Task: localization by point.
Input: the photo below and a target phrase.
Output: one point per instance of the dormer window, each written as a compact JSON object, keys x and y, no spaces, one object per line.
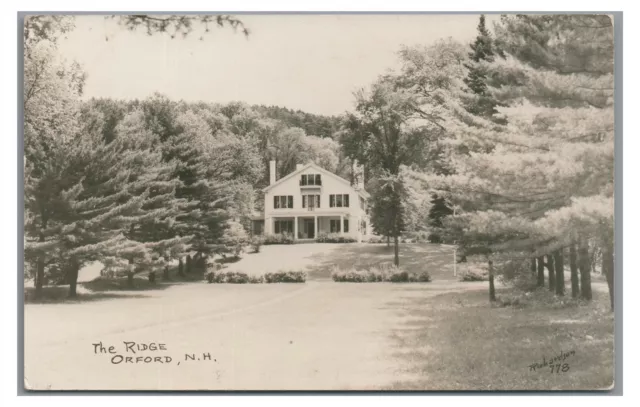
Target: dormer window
{"x":310,"y":179}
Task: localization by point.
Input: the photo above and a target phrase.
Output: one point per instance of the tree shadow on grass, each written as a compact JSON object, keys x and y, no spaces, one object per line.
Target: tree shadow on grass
{"x":460,"y":341}
{"x":60,"y":295}
{"x":228,"y":260}
{"x":121,"y":284}
{"x":414,"y":257}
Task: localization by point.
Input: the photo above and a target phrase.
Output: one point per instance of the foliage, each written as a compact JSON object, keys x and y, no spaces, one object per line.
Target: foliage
{"x":415,"y":237}
{"x":398,"y":123}
{"x":475,"y":272}
{"x":439,"y":210}
{"x":281,"y":238}
{"x":542,"y":178}
{"x":178,"y":25}
{"x":314,"y":125}
{"x":482,"y":103}
{"x":378,"y":273}
{"x":334,"y":238}
{"x":286,"y":277}
{"x":238,"y":277}
{"x":376,"y":239}
{"x":229,"y":277}
{"x":256,"y":243}
{"x":234,"y":238}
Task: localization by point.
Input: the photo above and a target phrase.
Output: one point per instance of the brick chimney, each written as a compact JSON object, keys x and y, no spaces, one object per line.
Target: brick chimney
{"x":299,"y":166}
{"x":272,"y":172}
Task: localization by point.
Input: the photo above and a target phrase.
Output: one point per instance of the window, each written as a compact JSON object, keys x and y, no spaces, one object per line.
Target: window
{"x":311,"y":201}
{"x":334,"y":225}
{"x":346,"y":226}
{"x":310,"y":179}
{"x":362,"y":203}
{"x":339,"y":201}
{"x":284,"y":226}
{"x":283,"y":201}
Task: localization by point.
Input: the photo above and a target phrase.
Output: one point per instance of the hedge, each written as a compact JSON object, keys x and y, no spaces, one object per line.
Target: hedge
{"x":377,"y":274}
{"x":334,"y":238}
{"x":283,"y":238}
{"x":232,"y":277}
{"x":238,"y":277}
{"x":286,"y":277}
{"x":475,"y":273}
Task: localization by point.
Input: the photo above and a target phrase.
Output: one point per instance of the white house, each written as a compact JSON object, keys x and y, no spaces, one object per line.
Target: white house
{"x":311,"y":201}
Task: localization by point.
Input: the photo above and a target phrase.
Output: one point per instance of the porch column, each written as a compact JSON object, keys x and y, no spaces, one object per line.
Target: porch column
{"x":342,"y":224}
{"x":315,"y":225}
{"x":295,"y":228}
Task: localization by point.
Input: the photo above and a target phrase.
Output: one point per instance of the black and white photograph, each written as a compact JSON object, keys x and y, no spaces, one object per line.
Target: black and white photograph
{"x":318,"y":202}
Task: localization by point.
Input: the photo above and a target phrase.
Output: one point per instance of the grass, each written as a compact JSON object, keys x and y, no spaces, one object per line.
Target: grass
{"x":319,"y":259}
{"x":100,"y":288}
{"x":457,"y":341}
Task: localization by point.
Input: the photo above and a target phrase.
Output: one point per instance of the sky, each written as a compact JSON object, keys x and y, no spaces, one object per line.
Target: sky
{"x":309,"y":62}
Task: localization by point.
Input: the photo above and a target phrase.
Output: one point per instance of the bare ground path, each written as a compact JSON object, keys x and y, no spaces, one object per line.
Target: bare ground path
{"x":316,"y":336}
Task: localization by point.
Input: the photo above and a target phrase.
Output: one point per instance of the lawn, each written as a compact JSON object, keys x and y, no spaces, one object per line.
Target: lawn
{"x":318,"y":259}
{"x":455,"y":341}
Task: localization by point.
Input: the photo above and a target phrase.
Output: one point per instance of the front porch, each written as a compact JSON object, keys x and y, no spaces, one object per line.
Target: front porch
{"x":308,"y":227}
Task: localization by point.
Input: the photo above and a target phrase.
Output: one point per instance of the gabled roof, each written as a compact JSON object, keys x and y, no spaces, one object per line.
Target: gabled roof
{"x":321,"y":170}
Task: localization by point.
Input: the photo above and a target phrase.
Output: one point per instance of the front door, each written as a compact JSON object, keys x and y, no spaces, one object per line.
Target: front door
{"x":309,"y":227}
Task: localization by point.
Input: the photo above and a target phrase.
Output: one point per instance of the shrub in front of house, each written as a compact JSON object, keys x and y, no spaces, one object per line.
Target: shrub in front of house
{"x":280,"y":238}
{"x":377,"y":239}
{"x":285,"y":277}
{"x":475,"y":273}
{"x":256,"y":243}
{"x":415,"y":237}
{"x":378,"y":273}
{"x":238,"y":277}
{"x":228,"y":277}
{"x":256,"y":279}
{"x":232,"y":277}
{"x":334,"y":238}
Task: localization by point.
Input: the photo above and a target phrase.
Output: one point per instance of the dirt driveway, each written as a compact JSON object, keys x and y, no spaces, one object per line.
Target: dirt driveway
{"x":315,"y":336}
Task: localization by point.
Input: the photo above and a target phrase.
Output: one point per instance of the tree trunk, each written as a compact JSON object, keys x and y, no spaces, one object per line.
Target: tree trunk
{"x":188,"y":267}
{"x":180,"y":267}
{"x":559,"y":266}
{"x":552,"y":273}
{"x":533,"y":266}
{"x":608,"y":269}
{"x":396,"y":251}
{"x":492,"y":287}
{"x":165,"y":274}
{"x":573,"y":265}
{"x":130,"y":274}
{"x":585,"y":271}
{"x":388,"y":240}
{"x":73,"y":278}
{"x":39,"y":278}
{"x":541,"y":271}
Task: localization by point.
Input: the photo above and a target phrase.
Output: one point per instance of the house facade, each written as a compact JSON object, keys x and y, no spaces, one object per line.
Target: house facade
{"x":312,"y":201}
